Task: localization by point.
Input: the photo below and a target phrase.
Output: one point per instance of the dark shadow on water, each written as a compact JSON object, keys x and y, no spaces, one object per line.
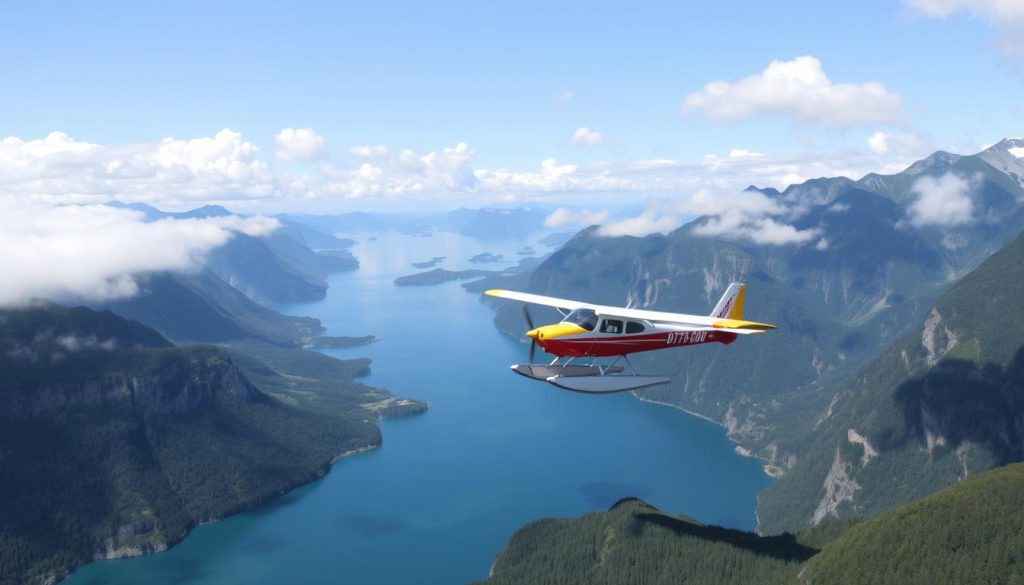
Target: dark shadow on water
{"x":602,"y":494}
{"x":783,"y":546}
{"x":261,"y":544}
{"x":179,"y":570}
{"x":369,"y":526}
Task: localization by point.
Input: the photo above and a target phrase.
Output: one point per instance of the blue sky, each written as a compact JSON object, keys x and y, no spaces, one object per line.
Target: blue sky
{"x":497,"y":78}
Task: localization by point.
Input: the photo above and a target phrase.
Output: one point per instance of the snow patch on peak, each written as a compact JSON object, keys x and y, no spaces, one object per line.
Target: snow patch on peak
{"x":1017,"y":151}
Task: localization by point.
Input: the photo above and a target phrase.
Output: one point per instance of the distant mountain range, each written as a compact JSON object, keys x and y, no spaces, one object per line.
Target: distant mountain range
{"x":222,"y":302}
{"x":486,"y":223}
{"x":871,"y":276}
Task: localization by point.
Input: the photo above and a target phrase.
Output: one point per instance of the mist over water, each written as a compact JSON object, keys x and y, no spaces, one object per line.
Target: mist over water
{"x":448,"y":488}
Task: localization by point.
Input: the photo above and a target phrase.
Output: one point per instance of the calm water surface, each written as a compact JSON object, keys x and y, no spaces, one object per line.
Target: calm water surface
{"x":448,"y":488}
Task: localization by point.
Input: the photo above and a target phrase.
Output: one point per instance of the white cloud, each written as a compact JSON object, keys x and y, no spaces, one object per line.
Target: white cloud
{"x":225,"y":168}
{"x":899,"y":146}
{"x":744,"y":153}
{"x":942,"y":201}
{"x":748,"y":215}
{"x":95,"y":251}
{"x":648,"y":222}
{"x":406,"y":173}
{"x":737,"y":224}
{"x":299,"y":144}
{"x":798,"y":89}
{"x":58,"y":168}
{"x":369,"y":151}
{"x":565,"y":96}
{"x":1007,"y":16}
{"x":562,"y":217}
{"x":584,"y":136}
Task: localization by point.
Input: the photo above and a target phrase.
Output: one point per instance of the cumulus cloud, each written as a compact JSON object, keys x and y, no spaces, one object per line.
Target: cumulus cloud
{"x":900,"y":146}
{"x":584,"y":136}
{"x":58,"y":168}
{"x":748,"y":215}
{"x":95,"y":251}
{"x":562,"y":217}
{"x":225,"y":167}
{"x":406,"y":173}
{"x":744,"y":153}
{"x":299,"y":144}
{"x":648,"y":222}
{"x":942,"y":201}
{"x":1007,"y":16}
{"x":797,"y":89}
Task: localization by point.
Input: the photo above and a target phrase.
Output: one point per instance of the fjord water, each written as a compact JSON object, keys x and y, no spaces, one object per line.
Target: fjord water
{"x":442,"y":496}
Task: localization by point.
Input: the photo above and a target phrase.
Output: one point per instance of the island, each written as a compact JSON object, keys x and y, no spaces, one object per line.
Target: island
{"x":440,"y":275}
{"x":429,"y":263}
{"x":486,"y":257}
{"x":336,"y":341}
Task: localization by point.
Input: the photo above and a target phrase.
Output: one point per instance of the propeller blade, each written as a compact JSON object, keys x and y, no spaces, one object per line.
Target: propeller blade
{"x":526,"y":314}
{"x":533,"y":349}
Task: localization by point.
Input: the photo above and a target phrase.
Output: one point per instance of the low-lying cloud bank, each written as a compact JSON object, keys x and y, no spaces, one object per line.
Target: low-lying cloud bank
{"x":228,"y":168}
{"x":749,"y":215}
{"x":95,"y":251}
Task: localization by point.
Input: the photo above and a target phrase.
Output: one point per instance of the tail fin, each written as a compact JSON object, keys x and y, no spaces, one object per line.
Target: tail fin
{"x":731,"y":304}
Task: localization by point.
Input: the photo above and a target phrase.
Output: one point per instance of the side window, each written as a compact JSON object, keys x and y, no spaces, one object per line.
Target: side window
{"x":611,"y":326}
{"x":634,"y":327}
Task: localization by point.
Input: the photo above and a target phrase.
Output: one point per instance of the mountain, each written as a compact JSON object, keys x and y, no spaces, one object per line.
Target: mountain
{"x":114,"y":442}
{"x":818,"y":302}
{"x":970,"y":533}
{"x":495,"y":224}
{"x":311,"y":237}
{"x":203,"y":308}
{"x":353,"y":222}
{"x":870,"y":275}
{"x":279,"y":267}
{"x":944,"y":402}
{"x":276,"y":268}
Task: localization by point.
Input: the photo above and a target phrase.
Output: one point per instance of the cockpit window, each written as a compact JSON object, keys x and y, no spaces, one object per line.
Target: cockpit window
{"x":585,"y":318}
{"x":611,"y":326}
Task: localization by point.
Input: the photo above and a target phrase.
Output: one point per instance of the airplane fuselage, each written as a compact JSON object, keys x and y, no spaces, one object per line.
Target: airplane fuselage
{"x":566,"y":340}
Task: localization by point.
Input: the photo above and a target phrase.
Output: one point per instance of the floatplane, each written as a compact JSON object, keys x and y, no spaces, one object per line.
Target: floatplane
{"x":590,"y":333}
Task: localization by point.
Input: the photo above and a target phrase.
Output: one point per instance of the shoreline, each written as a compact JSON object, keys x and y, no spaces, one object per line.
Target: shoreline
{"x":355,"y":451}
{"x":739,"y":449}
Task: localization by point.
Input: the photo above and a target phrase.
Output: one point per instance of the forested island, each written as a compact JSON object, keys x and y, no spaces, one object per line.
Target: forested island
{"x":440,"y":275}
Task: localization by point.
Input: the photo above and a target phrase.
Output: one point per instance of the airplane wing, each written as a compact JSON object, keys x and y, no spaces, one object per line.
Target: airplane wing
{"x":536,"y":299}
{"x":733,"y":325}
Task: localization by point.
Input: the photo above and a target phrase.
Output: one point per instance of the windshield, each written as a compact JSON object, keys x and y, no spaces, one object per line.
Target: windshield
{"x":585,"y":318}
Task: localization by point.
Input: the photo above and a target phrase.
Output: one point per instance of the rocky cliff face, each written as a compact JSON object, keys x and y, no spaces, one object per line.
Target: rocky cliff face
{"x":942,"y":404}
{"x":179,"y":386}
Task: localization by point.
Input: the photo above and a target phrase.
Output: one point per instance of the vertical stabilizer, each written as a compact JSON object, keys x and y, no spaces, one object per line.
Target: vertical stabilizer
{"x":730,"y":306}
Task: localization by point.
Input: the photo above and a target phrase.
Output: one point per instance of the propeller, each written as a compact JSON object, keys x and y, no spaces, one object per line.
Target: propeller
{"x":529,"y":322}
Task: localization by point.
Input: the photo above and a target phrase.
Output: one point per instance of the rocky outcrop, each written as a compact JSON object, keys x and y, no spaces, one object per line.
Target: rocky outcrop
{"x":839,"y":488}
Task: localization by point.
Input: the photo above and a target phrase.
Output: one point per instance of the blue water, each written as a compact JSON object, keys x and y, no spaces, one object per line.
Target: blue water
{"x":442,"y":496}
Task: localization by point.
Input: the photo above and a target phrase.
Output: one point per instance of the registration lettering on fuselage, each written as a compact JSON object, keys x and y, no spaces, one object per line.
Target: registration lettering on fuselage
{"x":686,"y":337}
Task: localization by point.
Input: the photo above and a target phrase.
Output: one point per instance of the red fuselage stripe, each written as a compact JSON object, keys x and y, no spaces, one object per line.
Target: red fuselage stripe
{"x":586,"y":346}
